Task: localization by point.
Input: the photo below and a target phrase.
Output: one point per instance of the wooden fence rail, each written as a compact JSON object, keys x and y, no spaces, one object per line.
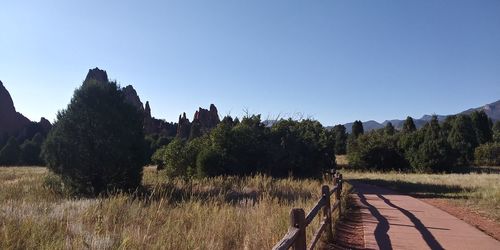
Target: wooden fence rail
{"x":296,"y":236}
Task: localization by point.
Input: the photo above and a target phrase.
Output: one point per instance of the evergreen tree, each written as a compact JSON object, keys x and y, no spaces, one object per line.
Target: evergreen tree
{"x":462,"y":139}
{"x":496,"y":132}
{"x":389,"y":129}
{"x":195,"y":130}
{"x":482,"y":127}
{"x":434,"y":153}
{"x":357,"y":129}
{"x":409,"y":125}
{"x":10,"y":153}
{"x":97,"y":143}
{"x":340,"y":136}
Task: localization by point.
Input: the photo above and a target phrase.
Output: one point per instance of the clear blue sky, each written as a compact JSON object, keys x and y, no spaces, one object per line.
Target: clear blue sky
{"x":336,"y":61}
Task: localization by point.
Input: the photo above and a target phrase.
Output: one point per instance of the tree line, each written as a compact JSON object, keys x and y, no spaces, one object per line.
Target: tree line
{"x":288,"y":148}
{"x":453,"y":145}
{"x":98,"y":144}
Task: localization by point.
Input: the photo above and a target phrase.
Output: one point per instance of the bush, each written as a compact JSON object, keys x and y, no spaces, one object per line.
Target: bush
{"x":209,"y":163}
{"x":488,"y":154}
{"x":10,"y":153}
{"x":97,"y":143}
{"x":376,"y":151}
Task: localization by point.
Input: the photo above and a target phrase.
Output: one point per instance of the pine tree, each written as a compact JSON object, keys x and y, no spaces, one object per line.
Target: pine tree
{"x":409,"y":125}
{"x":357,"y":129}
{"x":482,"y":127}
{"x":389,"y":129}
{"x":340,"y":135}
{"x":496,"y":132}
{"x":462,"y":139}
{"x":97,"y":144}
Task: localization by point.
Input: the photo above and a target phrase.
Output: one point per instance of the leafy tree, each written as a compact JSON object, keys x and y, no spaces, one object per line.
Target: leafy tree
{"x":482,"y":127}
{"x":488,"y":154}
{"x":357,"y":129}
{"x":340,"y":135}
{"x":409,"y":125}
{"x":389,"y":129}
{"x":462,"y":139}
{"x":97,"y":142}
{"x":10,"y":153}
{"x":174,"y":158}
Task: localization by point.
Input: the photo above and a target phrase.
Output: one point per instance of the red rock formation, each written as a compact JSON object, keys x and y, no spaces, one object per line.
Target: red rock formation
{"x":208,"y":119}
{"x":132,"y":97}
{"x":183,"y":127}
{"x":10,"y":120}
{"x":97,"y":75}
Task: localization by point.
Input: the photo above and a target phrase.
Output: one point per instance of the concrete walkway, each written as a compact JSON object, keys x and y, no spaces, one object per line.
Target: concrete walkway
{"x":394,"y":221}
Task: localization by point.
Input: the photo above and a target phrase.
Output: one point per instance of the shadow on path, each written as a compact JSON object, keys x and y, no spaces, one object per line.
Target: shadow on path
{"x":426,"y":234}
{"x":381,"y":236}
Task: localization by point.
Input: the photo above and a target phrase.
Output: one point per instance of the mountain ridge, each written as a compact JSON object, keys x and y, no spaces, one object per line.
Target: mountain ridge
{"x":492,"y":110}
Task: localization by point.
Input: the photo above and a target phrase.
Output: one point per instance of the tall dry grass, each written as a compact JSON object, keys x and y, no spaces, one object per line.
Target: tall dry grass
{"x":213,"y":213}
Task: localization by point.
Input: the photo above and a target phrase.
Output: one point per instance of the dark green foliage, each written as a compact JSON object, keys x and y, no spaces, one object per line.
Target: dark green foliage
{"x":195,"y":131}
{"x":462,"y":139}
{"x":97,"y":143}
{"x":425,"y":150}
{"x":376,"y":151}
{"x":357,"y":129}
{"x":482,"y":127}
{"x":155,"y":142}
{"x":10,"y":153}
{"x":434,"y":153}
{"x":389,"y":129}
{"x":210,"y":163}
{"x":339,"y":132}
{"x":496,"y":132}
{"x":301,"y":149}
{"x":174,"y":156}
{"x":488,"y":154}
{"x":30,"y":151}
{"x":409,"y":125}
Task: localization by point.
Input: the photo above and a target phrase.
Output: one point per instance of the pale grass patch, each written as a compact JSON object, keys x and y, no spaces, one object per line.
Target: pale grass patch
{"x":212,"y":213}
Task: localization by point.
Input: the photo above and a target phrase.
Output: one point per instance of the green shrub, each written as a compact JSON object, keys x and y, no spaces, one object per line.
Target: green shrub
{"x":488,"y":154}
{"x":377,"y":151}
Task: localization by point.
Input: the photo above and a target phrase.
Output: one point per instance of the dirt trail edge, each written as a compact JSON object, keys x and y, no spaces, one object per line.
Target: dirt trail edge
{"x":396,"y":221}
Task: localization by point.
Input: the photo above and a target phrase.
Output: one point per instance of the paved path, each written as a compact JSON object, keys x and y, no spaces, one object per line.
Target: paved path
{"x":394,"y":221}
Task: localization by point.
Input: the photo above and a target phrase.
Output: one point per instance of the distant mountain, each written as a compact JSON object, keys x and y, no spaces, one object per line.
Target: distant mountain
{"x":367,"y":126}
{"x":492,"y":110}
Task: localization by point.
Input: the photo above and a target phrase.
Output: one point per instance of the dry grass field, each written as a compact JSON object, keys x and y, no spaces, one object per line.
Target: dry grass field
{"x":215,"y":213}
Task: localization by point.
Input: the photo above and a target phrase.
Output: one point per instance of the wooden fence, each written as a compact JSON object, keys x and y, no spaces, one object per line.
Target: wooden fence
{"x":296,"y":236}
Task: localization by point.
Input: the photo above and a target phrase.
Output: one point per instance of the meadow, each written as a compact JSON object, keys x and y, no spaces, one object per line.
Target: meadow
{"x":210,"y":213}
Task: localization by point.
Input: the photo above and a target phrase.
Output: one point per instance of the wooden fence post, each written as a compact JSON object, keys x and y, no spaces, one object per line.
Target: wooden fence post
{"x":327,"y":212}
{"x":340,"y":182}
{"x":297,"y":219}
